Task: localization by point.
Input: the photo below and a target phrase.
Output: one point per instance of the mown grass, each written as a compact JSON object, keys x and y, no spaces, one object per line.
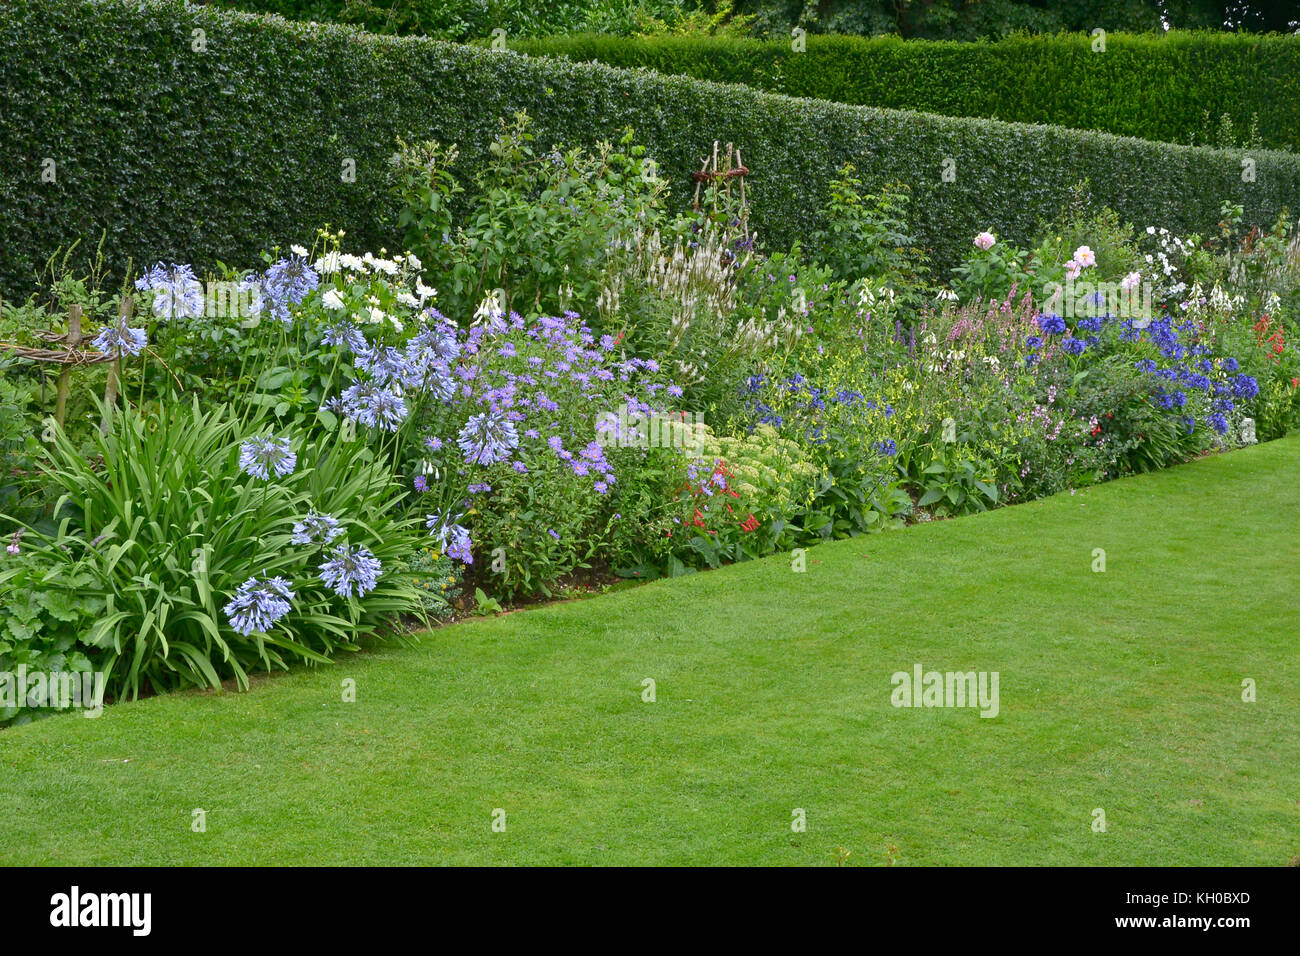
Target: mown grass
{"x":1118,"y":690}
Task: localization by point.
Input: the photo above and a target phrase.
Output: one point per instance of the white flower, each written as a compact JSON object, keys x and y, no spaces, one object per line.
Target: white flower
{"x":1130,"y":281}
{"x":376,"y":315}
{"x":332,"y":300}
{"x":298,"y":251}
{"x":413,"y":261}
{"x":1151,"y":230}
{"x":328,"y":264}
{"x":424,"y":291}
{"x":408,"y":300}
{"x":349,"y":261}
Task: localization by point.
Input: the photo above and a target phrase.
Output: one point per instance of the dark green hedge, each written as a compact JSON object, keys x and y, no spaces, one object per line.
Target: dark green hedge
{"x":199,"y":156}
{"x":1153,"y":87}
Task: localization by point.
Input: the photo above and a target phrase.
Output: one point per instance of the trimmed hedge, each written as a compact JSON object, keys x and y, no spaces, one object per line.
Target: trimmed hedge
{"x":1149,"y":86}
{"x":197,"y":156}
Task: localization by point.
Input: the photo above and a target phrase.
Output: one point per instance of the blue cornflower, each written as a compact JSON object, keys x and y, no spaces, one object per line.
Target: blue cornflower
{"x":315,"y":529}
{"x":1052,"y":324}
{"x":120,"y":339}
{"x":257,"y":605}
{"x":487,"y":438}
{"x":261,"y":455}
{"x":350,"y":570}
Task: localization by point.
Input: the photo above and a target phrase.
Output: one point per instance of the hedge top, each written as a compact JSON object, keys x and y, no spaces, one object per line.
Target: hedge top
{"x":197,"y":146}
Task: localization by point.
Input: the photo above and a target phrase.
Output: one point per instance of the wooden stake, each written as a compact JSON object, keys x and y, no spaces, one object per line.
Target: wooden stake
{"x":115,"y":370}
{"x":65,"y":374}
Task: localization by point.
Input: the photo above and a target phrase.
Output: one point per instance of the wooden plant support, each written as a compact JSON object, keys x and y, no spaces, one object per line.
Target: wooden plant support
{"x":71,"y":355}
{"x":719,"y":175}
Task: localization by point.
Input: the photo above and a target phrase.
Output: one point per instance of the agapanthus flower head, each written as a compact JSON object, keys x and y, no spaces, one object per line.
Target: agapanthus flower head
{"x":177,"y":291}
{"x":287,"y":283}
{"x":316,"y":529}
{"x":487,"y":437}
{"x":351,"y":571}
{"x":343,"y":334}
{"x":264,"y":454}
{"x":376,"y":406}
{"x":257,"y":605}
{"x":120,"y":339}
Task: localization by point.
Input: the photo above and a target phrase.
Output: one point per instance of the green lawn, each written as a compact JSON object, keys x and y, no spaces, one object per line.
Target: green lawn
{"x":1118,"y":690}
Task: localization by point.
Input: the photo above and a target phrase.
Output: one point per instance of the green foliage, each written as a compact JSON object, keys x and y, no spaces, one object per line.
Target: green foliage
{"x":294,"y":108}
{"x":163,"y":526}
{"x":867,"y":236}
{"x":1151,"y":86}
{"x":541,"y":231}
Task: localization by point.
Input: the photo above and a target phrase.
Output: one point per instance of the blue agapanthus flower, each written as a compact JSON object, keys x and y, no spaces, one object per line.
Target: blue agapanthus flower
{"x":177,"y":291}
{"x":1052,"y":324}
{"x":886,"y":448}
{"x":373,"y":405}
{"x":453,"y":539}
{"x":121,"y":339}
{"x":487,"y":438}
{"x":1074,"y":346}
{"x":351,"y":571}
{"x":287,"y":283}
{"x":257,"y":605}
{"x":343,"y":334}
{"x":316,"y":529}
{"x":1218,"y":423}
{"x":265,"y":454}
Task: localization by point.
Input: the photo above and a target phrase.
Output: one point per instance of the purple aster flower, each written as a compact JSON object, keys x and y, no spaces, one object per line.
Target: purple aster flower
{"x":453,"y":539}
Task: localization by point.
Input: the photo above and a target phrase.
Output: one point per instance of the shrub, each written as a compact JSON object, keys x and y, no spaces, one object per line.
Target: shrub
{"x":277,"y":127}
{"x":1146,"y":85}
